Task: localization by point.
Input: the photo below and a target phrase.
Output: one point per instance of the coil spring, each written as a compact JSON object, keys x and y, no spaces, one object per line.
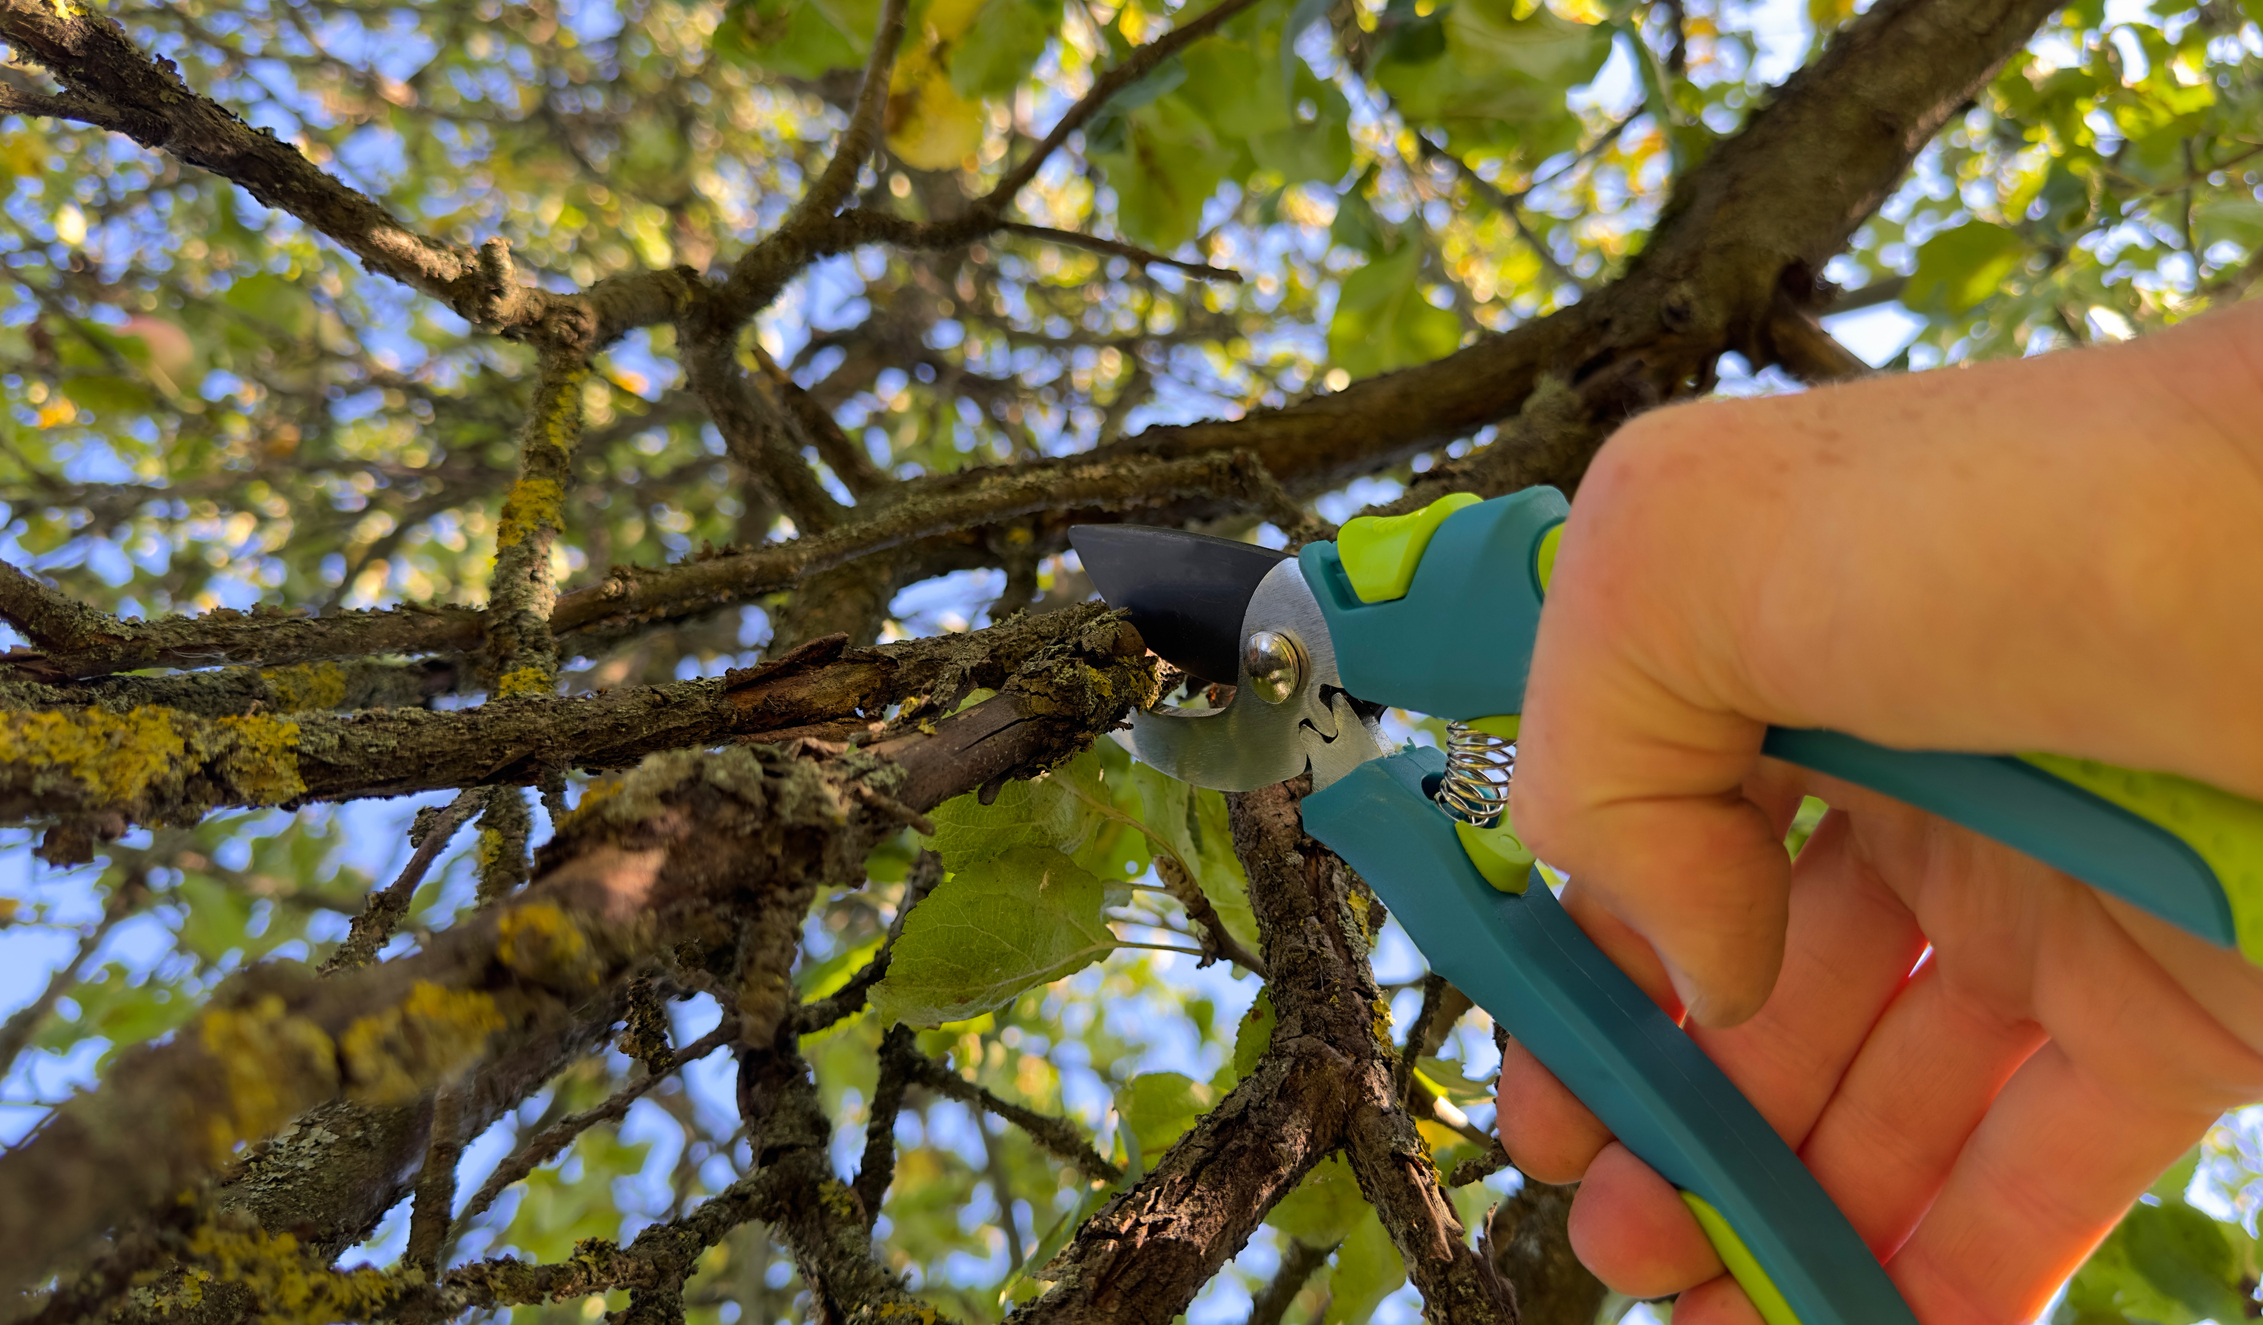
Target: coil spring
{"x":1479,"y":764}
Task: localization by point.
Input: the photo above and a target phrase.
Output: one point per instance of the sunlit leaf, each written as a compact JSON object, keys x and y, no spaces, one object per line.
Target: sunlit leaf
{"x":1018,"y":919}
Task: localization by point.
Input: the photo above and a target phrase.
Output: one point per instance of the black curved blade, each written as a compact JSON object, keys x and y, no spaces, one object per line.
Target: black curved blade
{"x":1186,"y":592}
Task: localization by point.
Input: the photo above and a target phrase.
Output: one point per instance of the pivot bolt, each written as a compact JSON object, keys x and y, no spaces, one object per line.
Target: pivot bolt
{"x":1275,"y":663}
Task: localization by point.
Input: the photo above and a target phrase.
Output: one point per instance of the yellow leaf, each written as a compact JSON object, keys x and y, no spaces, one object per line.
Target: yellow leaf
{"x":58,"y":410}
{"x":930,"y":126}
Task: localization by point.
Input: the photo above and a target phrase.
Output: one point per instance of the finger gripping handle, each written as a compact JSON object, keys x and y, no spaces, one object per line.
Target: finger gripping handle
{"x":1523,"y":960}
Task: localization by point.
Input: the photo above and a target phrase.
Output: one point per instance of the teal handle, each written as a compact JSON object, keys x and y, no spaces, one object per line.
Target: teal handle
{"x":1523,"y":960}
{"x":2048,"y":817}
{"x":1457,"y":643}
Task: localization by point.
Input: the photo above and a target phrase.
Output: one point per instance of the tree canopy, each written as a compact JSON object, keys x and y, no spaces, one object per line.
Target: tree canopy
{"x":552,"y":739}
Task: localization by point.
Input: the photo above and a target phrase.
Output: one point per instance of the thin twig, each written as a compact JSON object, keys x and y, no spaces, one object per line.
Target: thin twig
{"x":1057,"y":1136}
{"x":552,"y":1140}
{"x":878,"y":1167}
{"x":849,"y":999}
{"x":430,"y":835}
{"x":1299,"y":1261}
{"x":1509,"y":207}
{"x":1217,"y":941}
{"x":1073,"y":239}
{"x":1135,"y":66}
{"x":436,"y":1185}
{"x":858,"y":140}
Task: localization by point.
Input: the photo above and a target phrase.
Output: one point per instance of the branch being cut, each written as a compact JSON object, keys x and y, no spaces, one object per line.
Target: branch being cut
{"x":949,"y":507}
{"x":153,"y":766}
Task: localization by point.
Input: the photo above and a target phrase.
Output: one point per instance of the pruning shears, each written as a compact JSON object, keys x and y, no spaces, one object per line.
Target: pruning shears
{"x":1435,"y":612}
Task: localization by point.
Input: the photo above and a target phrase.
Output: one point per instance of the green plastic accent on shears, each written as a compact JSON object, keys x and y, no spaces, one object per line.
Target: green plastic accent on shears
{"x":1497,"y":853}
{"x":1495,"y":849}
{"x":2226,"y":830}
{"x":1380,"y":552}
{"x":1767,"y":1299}
{"x":1544,"y":557}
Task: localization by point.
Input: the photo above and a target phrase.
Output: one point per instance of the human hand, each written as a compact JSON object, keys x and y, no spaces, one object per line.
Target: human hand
{"x":2045,"y":555}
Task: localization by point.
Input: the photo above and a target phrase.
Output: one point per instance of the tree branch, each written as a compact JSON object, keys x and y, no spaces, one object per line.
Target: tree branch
{"x":1058,"y":1137}
{"x":428,"y":837}
{"x":682,"y":831}
{"x":1118,"y":248}
{"x":552,"y":1141}
{"x":113,"y":85}
{"x":152,"y":766}
{"x":522,"y":658}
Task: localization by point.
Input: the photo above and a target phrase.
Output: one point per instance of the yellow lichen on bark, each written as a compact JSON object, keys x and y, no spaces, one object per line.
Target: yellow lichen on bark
{"x":114,"y":756}
{"x":531,"y":504}
{"x":395,"y":1055}
{"x":535,"y":680}
{"x":261,"y":761}
{"x":292,"y":1284}
{"x":271,"y":1063}
{"x":305,"y":688}
{"x":542,"y":943}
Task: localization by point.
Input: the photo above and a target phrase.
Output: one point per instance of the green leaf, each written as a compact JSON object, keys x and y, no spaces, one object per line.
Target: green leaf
{"x":1445,"y":1078}
{"x":1254,"y":1035}
{"x":798,"y":38}
{"x":1022,"y":918}
{"x":273,"y":302}
{"x":1382,"y":321}
{"x":2166,"y":1263}
{"x":1491,"y":79}
{"x":1167,"y":166}
{"x":1368,"y":1269}
{"x":1006,"y":38}
{"x":1324,"y":1208}
{"x":1159,"y":1107}
{"x":1023,"y":814}
{"x":1192,"y":823}
{"x":1958,"y":268}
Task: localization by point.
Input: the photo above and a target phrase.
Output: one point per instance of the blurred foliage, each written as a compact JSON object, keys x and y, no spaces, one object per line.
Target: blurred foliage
{"x":203,"y":405}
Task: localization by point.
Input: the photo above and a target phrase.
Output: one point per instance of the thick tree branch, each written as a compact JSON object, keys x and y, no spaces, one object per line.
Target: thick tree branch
{"x":1783,"y":195}
{"x":668,"y":841}
{"x":152,"y":766}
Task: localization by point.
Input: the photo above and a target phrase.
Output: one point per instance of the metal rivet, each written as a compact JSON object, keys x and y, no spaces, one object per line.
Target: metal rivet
{"x":1275,"y":663}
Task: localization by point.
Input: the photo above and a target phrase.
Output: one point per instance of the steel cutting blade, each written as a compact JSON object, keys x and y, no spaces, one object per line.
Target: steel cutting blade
{"x":1186,"y":593}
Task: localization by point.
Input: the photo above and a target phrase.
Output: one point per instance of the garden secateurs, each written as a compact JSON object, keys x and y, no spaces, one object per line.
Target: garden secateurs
{"x":1435,"y":611}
